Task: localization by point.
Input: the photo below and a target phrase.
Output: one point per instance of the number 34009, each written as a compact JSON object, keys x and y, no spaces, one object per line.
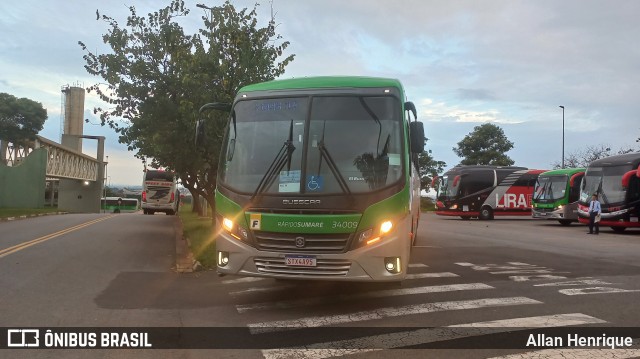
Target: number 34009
{"x":345,"y":225}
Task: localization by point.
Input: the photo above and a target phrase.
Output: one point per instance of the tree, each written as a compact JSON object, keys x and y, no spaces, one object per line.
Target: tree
{"x":20,"y":119}
{"x":429,"y":168}
{"x":485,"y":145}
{"x":157,"y":77}
{"x":582,"y":157}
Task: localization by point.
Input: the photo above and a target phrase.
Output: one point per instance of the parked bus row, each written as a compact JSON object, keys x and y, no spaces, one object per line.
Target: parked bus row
{"x":563,"y":195}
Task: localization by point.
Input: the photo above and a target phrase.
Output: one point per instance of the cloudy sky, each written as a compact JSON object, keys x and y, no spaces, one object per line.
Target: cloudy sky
{"x":463,"y":63}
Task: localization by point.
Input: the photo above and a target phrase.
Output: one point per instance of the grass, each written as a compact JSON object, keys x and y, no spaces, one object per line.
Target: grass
{"x":201,"y":234}
{"x":427,"y":205}
{"x":17,"y":212}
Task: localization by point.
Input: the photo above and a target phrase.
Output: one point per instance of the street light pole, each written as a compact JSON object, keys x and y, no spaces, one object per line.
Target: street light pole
{"x":562,"y":107}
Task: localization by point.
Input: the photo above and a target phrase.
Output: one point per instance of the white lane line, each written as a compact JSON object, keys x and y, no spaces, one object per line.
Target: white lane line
{"x":431,"y":275}
{"x":575,"y":354}
{"x":424,"y":336}
{"x":417,"y":265}
{"x":320,"y":321}
{"x":287,"y":304}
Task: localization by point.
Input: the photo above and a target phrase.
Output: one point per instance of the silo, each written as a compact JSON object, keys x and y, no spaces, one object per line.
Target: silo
{"x":73,"y":112}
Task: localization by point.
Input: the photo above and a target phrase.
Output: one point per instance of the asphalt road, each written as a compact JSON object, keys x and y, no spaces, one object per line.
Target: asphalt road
{"x":472,"y":285}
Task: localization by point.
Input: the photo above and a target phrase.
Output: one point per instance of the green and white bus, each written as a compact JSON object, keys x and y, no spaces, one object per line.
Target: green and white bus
{"x":119,"y":204}
{"x":556,"y":195}
{"x":318,"y":179}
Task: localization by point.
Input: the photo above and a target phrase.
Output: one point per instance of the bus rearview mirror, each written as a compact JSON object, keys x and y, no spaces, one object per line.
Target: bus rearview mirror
{"x":409,"y":106}
{"x":416,"y":132}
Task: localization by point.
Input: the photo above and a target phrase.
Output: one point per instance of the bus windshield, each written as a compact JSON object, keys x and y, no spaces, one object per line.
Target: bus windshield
{"x":447,"y":188}
{"x":339,"y":144}
{"x":606,"y":181}
{"x":550,"y":188}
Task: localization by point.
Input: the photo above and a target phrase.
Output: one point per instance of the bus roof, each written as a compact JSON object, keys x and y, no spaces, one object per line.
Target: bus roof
{"x":617,"y":160}
{"x":477,"y":168}
{"x":563,"y":171}
{"x":323,"y":82}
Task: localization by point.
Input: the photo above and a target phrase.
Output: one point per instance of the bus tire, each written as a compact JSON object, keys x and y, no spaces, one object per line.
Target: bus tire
{"x":565,"y":222}
{"x":618,"y":229}
{"x":486,"y":213}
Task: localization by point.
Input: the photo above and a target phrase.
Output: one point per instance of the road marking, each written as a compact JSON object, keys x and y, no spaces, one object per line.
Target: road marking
{"x":575,"y":354}
{"x":427,"y":335}
{"x":417,"y":265}
{"x":320,"y":321}
{"x":243,"y":280}
{"x":287,"y":304}
{"x":595,"y":290}
{"x":21,"y":246}
{"x":579,"y":281}
{"x":260,"y":290}
{"x":431,"y":275}
{"x":465,"y":264}
{"x":275,"y":289}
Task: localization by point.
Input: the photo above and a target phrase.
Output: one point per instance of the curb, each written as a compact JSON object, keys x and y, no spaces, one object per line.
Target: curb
{"x":25,"y":216}
{"x":185,"y":262}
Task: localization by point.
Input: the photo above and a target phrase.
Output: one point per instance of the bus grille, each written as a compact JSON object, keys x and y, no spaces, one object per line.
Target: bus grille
{"x":324,"y":267}
{"x":316,"y":243}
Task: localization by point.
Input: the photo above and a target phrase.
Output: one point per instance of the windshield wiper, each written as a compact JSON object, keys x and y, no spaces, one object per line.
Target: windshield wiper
{"x":283,"y":157}
{"x":324,"y":153}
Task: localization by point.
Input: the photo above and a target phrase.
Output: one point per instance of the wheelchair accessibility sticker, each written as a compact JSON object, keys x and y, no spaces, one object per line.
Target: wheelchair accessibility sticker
{"x":315,"y":184}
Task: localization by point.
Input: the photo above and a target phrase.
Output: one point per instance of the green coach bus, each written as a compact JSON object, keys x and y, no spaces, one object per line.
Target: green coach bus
{"x":556,"y":195}
{"x":318,"y":179}
{"x":119,"y":204}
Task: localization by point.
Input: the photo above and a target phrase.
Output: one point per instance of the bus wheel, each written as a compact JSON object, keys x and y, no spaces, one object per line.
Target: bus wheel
{"x":565,"y":222}
{"x":486,"y":213}
{"x":618,"y":229}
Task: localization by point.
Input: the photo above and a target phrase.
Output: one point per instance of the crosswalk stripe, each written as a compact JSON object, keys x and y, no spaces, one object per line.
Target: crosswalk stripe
{"x":417,"y":265}
{"x":574,"y":354}
{"x":320,"y":321}
{"x":465,"y":264}
{"x":431,"y":275}
{"x":427,"y":335}
{"x":260,"y":290}
{"x":243,"y":280}
{"x":287,"y":304}
{"x":274,"y":289}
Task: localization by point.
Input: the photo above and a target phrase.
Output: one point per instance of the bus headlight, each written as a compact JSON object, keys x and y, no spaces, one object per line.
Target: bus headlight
{"x":455,"y":206}
{"x":227,"y":224}
{"x":370,"y":236}
{"x":235,"y":231}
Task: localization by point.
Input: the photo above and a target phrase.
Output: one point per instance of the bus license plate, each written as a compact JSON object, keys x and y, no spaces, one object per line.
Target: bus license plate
{"x":300,"y":261}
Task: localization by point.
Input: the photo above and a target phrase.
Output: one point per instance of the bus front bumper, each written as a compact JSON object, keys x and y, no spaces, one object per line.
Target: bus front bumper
{"x":363,"y":264}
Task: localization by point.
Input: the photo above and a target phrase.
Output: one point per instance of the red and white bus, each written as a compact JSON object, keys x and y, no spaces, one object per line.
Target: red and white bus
{"x":616,"y":181}
{"x":486,"y":191}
